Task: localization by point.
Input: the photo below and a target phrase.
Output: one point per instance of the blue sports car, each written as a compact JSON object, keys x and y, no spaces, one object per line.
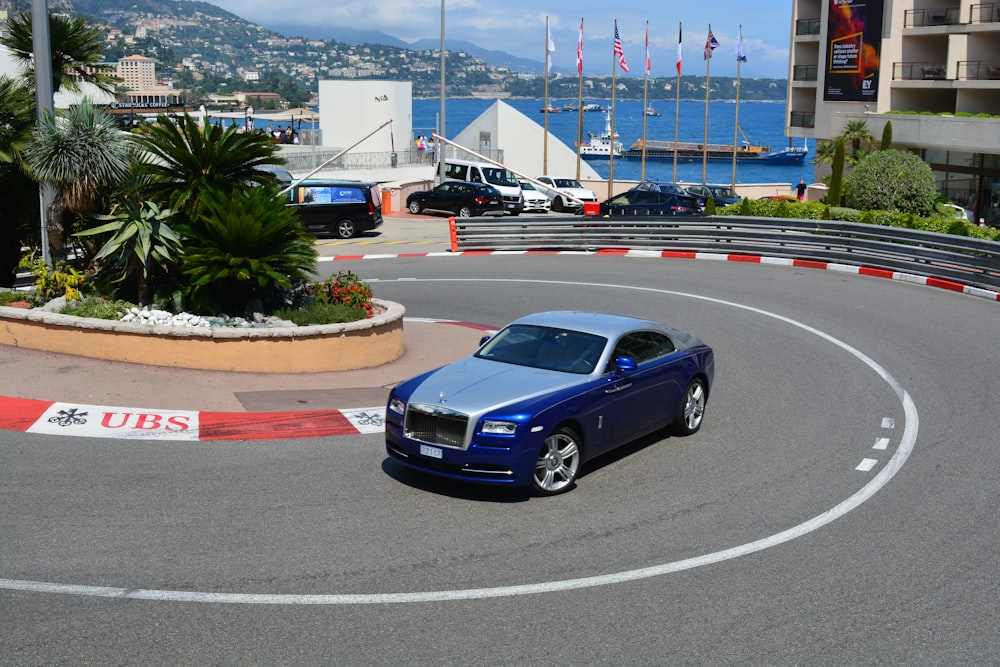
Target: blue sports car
{"x":547,"y":393}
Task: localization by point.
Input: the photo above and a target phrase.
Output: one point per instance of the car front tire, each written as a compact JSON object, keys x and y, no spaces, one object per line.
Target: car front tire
{"x":692,"y":408}
{"x":558,"y":463}
{"x":557,"y":204}
{"x":415,"y":207}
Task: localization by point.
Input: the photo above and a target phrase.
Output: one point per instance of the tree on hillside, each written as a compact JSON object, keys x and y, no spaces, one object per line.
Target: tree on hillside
{"x":77,"y":51}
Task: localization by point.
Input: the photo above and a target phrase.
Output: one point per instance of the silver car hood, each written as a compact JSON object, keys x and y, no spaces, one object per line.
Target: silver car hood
{"x":474,"y":386}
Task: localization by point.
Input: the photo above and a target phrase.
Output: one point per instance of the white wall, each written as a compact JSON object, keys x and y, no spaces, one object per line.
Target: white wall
{"x":348,"y":110}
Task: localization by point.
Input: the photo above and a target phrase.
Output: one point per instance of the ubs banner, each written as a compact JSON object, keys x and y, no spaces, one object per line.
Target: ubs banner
{"x":854,"y":38}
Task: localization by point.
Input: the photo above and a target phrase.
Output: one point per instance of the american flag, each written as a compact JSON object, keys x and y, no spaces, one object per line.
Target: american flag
{"x":710,"y":44}
{"x":618,"y":50}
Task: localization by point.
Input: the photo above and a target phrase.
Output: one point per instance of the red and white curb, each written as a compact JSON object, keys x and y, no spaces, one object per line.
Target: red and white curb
{"x":674,"y":254}
{"x":100,"y":421}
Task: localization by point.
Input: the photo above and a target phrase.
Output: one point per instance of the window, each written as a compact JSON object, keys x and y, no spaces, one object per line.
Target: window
{"x":642,"y":346}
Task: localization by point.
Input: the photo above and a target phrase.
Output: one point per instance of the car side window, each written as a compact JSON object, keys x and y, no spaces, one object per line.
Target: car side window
{"x":642,"y":346}
{"x":456,"y":171}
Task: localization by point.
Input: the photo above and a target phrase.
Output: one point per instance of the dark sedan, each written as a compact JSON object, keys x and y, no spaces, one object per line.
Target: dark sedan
{"x":649,"y":203}
{"x":723,"y":195}
{"x":459,"y":198}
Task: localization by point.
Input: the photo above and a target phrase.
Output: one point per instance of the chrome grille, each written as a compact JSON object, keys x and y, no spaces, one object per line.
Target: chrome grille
{"x":436,"y":426}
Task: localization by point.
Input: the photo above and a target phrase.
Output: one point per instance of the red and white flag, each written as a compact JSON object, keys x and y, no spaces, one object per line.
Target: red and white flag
{"x":680,"y":34}
{"x":648,"y":63}
{"x":618,"y":49}
{"x":579,"y":51}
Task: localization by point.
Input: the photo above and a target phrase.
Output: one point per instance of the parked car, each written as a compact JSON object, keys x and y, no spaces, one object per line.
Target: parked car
{"x":534,"y":200}
{"x":547,"y":393}
{"x":959,"y":212}
{"x":556,"y":190}
{"x":669,"y":188}
{"x":458,"y":198}
{"x":648,"y":203}
{"x":501,"y":178}
{"x":722,"y":194}
{"x":341,"y":208}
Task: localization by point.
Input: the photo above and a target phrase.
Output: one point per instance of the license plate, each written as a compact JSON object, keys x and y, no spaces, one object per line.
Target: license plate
{"x":433,"y":452}
{"x":510,"y":206}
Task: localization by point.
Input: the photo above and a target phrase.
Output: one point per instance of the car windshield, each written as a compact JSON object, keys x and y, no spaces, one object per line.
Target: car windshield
{"x":526,"y":185}
{"x":500,"y":176}
{"x":568,"y":183}
{"x":725,"y":192}
{"x":548,"y":348}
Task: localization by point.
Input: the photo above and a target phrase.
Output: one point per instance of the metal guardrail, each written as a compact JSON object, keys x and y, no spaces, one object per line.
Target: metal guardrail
{"x":972,"y":262}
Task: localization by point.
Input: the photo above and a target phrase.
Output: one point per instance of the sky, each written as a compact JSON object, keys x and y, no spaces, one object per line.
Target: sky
{"x":518,"y":27}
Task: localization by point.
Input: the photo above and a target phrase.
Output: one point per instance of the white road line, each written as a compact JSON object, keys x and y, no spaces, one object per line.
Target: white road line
{"x":867,"y":464}
{"x":881,"y":444}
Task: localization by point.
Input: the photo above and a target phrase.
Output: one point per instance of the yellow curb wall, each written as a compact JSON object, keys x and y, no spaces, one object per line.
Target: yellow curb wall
{"x":310,"y":349}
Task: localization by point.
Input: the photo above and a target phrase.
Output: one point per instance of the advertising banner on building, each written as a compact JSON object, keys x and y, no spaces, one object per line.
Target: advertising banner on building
{"x":854,"y":40}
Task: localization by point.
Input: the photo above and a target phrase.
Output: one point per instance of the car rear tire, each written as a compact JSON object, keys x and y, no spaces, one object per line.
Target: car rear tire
{"x":692,"y":408}
{"x":558,"y":463}
{"x":346,"y":229}
{"x":414,"y":207}
{"x":464,"y":212}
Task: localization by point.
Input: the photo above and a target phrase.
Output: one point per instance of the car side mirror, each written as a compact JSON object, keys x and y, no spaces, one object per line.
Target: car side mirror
{"x":482,"y":341}
{"x":625,"y":365}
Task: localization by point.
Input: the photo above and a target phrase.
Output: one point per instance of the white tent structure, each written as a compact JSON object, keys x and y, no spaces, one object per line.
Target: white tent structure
{"x":521,"y":139}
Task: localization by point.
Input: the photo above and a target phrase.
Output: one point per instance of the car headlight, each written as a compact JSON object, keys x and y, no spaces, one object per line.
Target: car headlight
{"x":397,"y":406}
{"x":500,"y":427}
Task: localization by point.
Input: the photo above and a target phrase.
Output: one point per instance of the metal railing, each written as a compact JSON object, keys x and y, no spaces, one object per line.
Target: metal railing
{"x":805,"y":72}
{"x":978,"y":70}
{"x":919,"y":18}
{"x":304,"y":160}
{"x":802,"y":119}
{"x":960,"y":259}
{"x":807,"y":26}
{"x":919,"y":71}
{"x":986,"y":12}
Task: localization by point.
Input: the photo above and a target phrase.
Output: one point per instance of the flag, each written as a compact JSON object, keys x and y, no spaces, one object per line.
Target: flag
{"x":550,"y":47}
{"x":740,"y":56}
{"x":710,"y":44}
{"x":618,"y":50}
{"x":579,"y":51}
{"x":648,"y":64}
{"x":680,"y":40}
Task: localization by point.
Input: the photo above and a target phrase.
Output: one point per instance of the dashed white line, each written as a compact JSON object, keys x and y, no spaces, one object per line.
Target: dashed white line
{"x":867,"y":464}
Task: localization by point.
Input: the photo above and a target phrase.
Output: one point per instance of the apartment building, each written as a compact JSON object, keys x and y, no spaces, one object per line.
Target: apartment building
{"x":934,"y":63}
{"x":137,"y":72}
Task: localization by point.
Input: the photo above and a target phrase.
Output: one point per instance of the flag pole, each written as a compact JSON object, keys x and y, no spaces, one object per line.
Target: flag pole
{"x":736,"y":123}
{"x":545,"y":109}
{"x":677,"y":102}
{"x":645,"y":104}
{"x":708,"y":88}
{"x":611,"y":155}
{"x":579,"y":100}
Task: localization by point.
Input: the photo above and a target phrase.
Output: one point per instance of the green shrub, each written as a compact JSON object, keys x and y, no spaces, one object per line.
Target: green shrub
{"x":63,"y":280}
{"x":892,"y":180}
{"x":7,"y":298}
{"x":321,"y":313}
{"x":112,"y":309}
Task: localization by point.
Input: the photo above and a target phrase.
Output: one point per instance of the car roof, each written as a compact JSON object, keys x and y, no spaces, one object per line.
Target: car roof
{"x":609,"y":325}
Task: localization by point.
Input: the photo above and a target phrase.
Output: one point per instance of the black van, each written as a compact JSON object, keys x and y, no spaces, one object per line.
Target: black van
{"x":340,"y":208}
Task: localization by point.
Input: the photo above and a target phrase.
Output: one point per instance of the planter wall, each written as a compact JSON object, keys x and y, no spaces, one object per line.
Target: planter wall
{"x":329,"y":347}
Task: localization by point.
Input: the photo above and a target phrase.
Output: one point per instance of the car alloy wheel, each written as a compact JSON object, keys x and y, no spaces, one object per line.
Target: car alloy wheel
{"x":414,"y":207}
{"x":465,"y":212}
{"x":558,"y":462}
{"x":692,"y":408}
{"x":346,"y":229}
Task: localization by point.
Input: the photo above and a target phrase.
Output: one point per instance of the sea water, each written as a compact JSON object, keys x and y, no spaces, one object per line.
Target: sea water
{"x":763,"y":123}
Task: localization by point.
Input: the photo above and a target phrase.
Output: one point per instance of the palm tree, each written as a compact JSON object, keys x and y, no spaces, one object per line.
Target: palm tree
{"x":184,"y":161}
{"x":857,"y":133}
{"x":18,"y":211}
{"x":824,"y":152}
{"x":83,"y":156}
{"x":76,"y":51}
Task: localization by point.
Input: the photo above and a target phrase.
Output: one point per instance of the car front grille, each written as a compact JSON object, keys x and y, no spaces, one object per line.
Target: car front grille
{"x":436,"y":426}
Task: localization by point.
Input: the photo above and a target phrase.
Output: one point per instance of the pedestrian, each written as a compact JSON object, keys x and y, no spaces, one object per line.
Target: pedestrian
{"x":800,"y":189}
{"x":421,"y":146}
{"x":429,"y":148}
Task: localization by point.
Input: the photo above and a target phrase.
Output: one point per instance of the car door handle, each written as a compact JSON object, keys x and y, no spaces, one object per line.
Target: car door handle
{"x":617,"y":388}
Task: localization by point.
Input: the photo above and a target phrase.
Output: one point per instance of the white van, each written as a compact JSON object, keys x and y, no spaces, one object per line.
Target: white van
{"x":502,"y":179}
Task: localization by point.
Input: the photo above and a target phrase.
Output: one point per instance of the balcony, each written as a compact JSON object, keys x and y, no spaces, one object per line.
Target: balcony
{"x":807,"y":27}
{"x":919,"y":71}
{"x":805,"y":73}
{"x":978,"y":70}
{"x":802,"y":119}
{"x":987,"y":12}
{"x":922,"y":18}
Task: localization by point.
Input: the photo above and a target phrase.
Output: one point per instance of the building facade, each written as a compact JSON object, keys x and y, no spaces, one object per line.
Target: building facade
{"x":931,"y":67}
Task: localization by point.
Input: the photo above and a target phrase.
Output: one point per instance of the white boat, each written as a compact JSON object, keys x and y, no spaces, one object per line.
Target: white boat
{"x":599,"y":146}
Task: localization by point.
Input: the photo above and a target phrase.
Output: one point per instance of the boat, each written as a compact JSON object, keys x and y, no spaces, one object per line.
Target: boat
{"x":790,"y":155}
{"x":650,"y":111}
{"x":570,"y":107}
{"x":691,"y":151}
{"x":550,"y":109}
{"x":594,"y":107}
{"x":599,"y":146}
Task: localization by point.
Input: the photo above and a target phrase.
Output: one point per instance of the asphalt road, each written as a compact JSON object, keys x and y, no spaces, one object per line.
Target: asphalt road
{"x":838,"y":506}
